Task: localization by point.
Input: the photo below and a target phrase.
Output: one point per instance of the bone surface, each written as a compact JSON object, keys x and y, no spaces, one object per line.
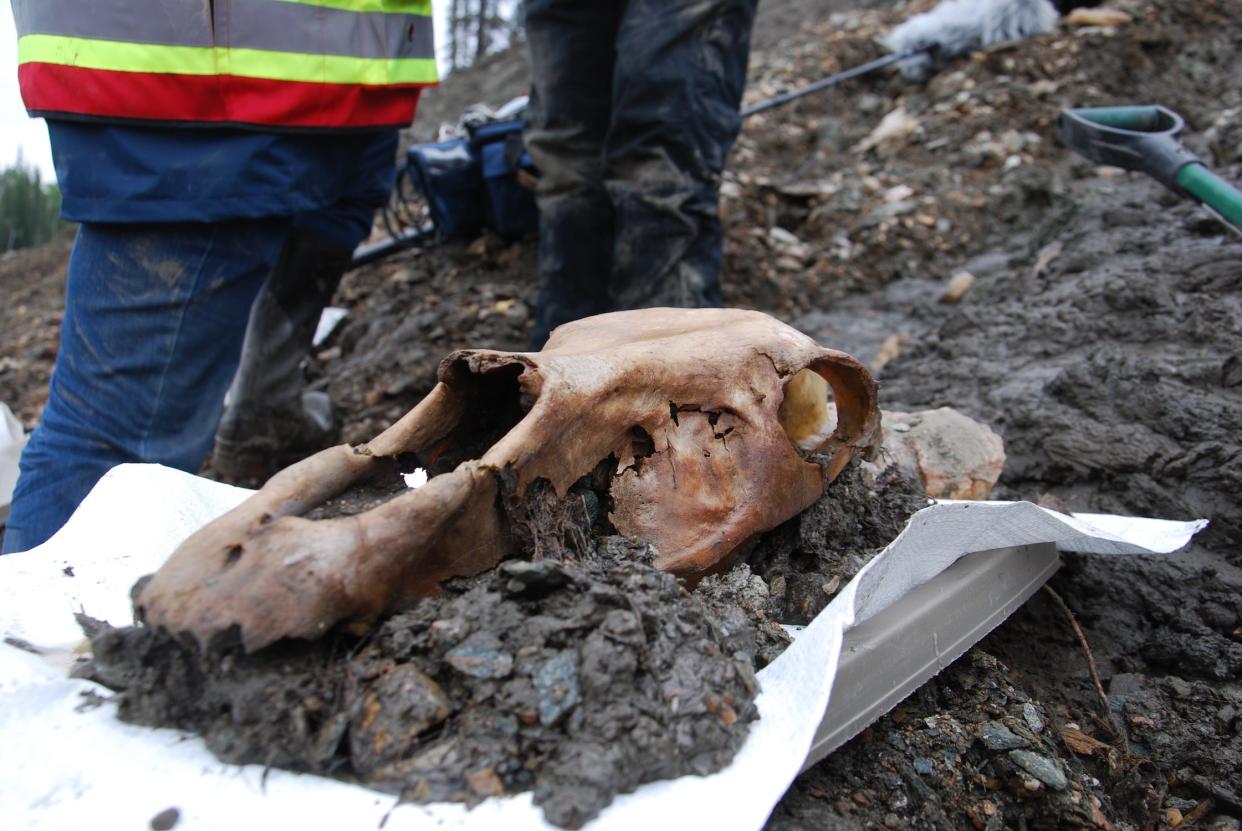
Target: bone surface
{"x":716,"y":424}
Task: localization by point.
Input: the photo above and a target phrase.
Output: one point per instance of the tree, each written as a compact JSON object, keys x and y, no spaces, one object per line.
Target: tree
{"x":29,"y":209}
{"x":476,"y":28}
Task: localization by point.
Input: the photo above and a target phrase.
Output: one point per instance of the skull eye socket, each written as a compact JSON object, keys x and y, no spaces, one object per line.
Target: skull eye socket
{"x":808,"y":413}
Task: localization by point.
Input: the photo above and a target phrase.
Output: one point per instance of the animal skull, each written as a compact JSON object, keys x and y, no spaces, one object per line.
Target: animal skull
{"x":705,"y":412}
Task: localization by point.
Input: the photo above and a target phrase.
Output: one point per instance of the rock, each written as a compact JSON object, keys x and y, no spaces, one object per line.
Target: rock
{"x":954,"y":456}
{"x":165,"y":820}
{"x":391,"y":714}
{"x":485,"y":782}
{"x":1040,"y":767}
{"x":1096,"y":17}
{"x":889,"y":349}
{"x":996,"y":736}
{"x":958,"y":285}
{"x":556,"y":683}
{"x":533,"y":579}
{"x":782,"y":238}
{"x":1033,"y":719}
{"x":894,"y":129}
{"x":481,"y":656}
{"x":899,"y":193}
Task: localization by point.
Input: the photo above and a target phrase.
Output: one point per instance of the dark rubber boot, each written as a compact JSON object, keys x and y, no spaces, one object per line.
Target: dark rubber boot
{"x":270,"y":421}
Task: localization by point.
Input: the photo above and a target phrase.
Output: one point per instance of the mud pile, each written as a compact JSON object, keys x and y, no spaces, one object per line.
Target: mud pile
{"x":808,"y":559}
{"x":970,"y":747}
{"x":576,"y":681}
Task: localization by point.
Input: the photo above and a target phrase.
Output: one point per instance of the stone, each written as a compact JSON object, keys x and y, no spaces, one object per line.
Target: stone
{"x":958,"y":285}
{"x":1040,"y":767}
{"x":954,"y":456}
{"x":533,"y":579}
{"x":1032,"y":717}
{"x":481,"y":656}
{"x":556,"y":683}
{"x":996,"y":736}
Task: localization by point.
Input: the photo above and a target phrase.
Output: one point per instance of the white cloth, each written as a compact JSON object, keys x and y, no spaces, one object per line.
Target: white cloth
{"x":12,"y":440}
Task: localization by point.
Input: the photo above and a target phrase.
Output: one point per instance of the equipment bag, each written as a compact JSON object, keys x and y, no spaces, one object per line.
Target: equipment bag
{"x":471,"y":183}
{"x":511,"y":210}
{"x":446,"y":174}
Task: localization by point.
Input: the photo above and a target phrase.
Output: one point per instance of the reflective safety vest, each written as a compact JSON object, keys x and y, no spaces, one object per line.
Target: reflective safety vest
{"x":271,"y":63}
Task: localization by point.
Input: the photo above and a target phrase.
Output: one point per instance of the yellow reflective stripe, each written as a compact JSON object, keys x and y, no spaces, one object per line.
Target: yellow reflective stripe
{"x":329,"y":69}
{"x":422,"y":7}
{"x":108,"y":54}
{"x":246,"y":63}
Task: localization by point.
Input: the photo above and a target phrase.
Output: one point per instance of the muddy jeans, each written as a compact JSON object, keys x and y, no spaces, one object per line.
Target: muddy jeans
{"x":150,"y":340}
{"x":634,"y":108}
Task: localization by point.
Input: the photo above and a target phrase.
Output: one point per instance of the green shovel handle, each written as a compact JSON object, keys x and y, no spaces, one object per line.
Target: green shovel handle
{"x":1144,"y":138}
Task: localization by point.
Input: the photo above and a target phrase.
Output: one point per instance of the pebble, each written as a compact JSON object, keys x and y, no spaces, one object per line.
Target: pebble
{"x":923,"y":765}
{"x":481,"y":657}
{"x":996,"y":736}
{"x":1033,"y":719}
{"x":556,"y":683}
{"x":527,"y":577}
{"x":1041,"y":767}
{"x":958,"y":285}
{"x":165,"y":820}
{"x":780,"y":236}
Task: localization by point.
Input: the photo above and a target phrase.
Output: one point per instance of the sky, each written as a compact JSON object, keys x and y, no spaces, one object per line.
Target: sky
{"x":18,"y":131}
{"x":21,"y":134}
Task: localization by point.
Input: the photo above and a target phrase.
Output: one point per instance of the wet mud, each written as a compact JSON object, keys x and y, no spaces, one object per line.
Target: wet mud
{"x":810,"y":558}
{"x":573,"y":680}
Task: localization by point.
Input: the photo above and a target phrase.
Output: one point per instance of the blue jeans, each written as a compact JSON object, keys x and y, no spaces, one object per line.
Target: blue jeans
{"x":152,"y":332}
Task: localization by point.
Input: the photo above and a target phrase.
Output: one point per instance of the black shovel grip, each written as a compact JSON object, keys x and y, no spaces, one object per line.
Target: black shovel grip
{"x":1134,"y":138}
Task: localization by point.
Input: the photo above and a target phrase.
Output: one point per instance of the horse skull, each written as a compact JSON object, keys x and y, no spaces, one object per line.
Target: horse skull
{"x":707,"y":417}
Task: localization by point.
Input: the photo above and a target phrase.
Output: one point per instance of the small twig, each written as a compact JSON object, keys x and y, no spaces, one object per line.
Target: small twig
{"x":1196,"y":813}
{"x":1154,"y":805}
{"x":1095,"y":676}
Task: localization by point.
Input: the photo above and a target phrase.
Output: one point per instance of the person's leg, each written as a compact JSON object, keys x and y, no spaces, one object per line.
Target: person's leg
{"x":571,"y":46}
{"x":680,"y":74}
{"x":153,"y":323}
{"x":271,"y":421}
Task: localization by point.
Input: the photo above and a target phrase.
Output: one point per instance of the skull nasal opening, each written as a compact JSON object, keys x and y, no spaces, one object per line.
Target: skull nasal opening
{"x":808,"y":412}
{"x":493,"y":405}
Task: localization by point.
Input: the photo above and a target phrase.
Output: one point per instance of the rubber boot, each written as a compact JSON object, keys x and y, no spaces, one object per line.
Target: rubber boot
{"x":270,"y":421}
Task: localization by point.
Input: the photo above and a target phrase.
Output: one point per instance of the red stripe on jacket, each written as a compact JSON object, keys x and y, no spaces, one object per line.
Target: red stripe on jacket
{"x":148,"y":96}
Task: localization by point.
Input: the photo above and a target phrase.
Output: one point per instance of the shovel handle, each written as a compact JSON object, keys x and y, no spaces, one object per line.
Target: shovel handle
{"x":1144,"y":138}
{"x":1212,"y":191}
{"x":1133,"y":138}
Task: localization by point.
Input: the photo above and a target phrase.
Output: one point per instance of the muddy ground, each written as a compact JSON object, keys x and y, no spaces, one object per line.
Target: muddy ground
{"x":552,"y":676}
{"x":1102,"y":338}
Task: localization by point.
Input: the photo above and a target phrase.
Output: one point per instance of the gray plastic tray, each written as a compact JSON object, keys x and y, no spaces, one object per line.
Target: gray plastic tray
{"x":888,"y":656}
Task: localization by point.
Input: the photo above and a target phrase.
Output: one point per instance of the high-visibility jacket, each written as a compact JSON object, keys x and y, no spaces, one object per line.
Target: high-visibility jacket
{"x":268,"y":63}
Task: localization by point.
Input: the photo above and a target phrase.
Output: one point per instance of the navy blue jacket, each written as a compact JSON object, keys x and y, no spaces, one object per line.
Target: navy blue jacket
{"x":112,"y":173}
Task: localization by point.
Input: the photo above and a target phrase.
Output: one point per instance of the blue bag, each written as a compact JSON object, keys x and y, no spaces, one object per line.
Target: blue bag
{"x":471,"y":183}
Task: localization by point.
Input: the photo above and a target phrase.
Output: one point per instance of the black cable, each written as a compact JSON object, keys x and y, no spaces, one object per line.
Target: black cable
{"x":832,"y":80}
